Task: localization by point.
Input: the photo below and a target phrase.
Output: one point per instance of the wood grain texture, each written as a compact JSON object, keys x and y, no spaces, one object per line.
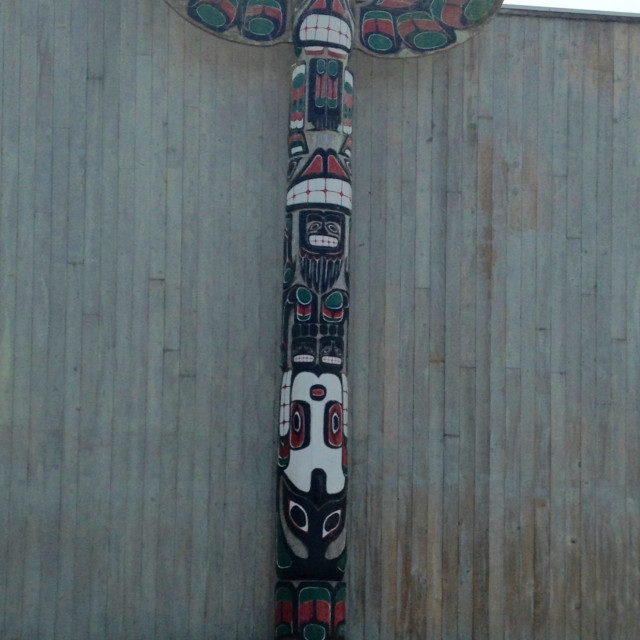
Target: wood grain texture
{"x":495,"y":330}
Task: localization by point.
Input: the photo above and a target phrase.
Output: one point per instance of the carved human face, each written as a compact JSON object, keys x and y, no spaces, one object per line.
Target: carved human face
{"x":322,"y":232}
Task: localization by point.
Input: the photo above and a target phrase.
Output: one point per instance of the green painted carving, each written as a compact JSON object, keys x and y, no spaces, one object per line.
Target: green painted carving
{"x":396,"y":28}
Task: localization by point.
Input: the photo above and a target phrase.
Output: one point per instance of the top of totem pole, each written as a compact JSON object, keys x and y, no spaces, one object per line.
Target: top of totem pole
{"x":386,"y":28}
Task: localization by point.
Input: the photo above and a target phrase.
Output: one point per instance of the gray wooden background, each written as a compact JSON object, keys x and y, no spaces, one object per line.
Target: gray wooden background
{"x":495,"y":331}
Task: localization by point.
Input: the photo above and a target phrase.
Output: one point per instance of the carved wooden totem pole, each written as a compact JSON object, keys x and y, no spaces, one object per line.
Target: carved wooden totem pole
{"x":314,"y":415}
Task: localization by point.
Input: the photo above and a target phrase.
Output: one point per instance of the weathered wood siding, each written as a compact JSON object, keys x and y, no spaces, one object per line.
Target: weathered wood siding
{"x":495,"y":331}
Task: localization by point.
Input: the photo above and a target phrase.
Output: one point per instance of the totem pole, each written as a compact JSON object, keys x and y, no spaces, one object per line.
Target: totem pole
{"x":313,"y":416}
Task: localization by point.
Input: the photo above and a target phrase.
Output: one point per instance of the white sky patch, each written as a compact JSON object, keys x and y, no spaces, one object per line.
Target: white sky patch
{"x":628,"y":7}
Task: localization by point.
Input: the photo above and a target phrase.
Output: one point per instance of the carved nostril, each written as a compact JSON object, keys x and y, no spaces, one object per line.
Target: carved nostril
{"x":318,"y":484}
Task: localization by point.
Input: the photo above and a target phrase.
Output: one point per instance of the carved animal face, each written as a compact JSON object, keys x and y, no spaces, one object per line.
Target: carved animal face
{"x":316,"y":430}
{"x":311,"y":531}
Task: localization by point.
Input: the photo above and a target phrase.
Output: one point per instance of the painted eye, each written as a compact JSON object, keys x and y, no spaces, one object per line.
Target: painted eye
{"x":331,"y":522}
{"x":314,"y":226}
{"x":333,"y":424}
{"x":299,"y":420}
{"x":333,"y":228}
{"x":298,"y":516}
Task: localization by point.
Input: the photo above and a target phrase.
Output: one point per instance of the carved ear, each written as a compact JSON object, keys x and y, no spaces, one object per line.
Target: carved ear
{"x":257,"y":22}
{"x":409,"y":28}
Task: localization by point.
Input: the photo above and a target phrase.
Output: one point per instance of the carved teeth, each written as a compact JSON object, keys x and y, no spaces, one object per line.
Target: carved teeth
{"x":321,"y":191}
{"x":331,"y":360}
{"x":323,"y":241}
{"x":303,"y":358}
{"x":328,"y":29}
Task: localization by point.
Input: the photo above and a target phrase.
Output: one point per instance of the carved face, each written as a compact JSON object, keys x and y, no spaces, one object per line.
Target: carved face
{"x":303,"y":352}
{"x":313,"y":536}
{"x":322,"y":180}
{"x":322,"y":232}
{"x":314,"y":329}
{"x":332,"y":352}
{"x":321,"y":239}
{"x":326,"y":350}
{"x":315,"y":422}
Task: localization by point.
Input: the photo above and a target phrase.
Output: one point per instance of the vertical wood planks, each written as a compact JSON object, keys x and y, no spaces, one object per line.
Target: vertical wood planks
{"x":572,"y":445}
{"x":389,"y":282}
{"x":358,"y":579}
{"x":497,"y":187}
{"x":542,"y":213}
{"x":485,"y":257}
{"x":632,"y":437}
{"x":9,"y":145}
{"x":420,"y":592}
{"x":406,"y":350}
{"x":436,"y":353}
{"x":375,"y":367}
{"x":558,"y":471}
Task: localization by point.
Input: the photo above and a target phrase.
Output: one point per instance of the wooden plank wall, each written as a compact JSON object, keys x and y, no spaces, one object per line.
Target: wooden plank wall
{"x":495,"y":331}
